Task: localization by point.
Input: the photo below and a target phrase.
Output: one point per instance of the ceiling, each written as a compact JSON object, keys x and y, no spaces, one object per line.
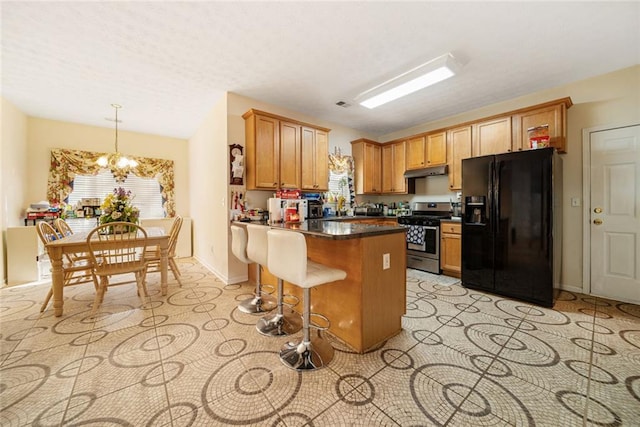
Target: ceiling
{"x":168,"y":63}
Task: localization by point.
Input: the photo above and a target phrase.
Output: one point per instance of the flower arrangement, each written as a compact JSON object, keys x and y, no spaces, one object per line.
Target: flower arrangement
{"x":117,"y":207}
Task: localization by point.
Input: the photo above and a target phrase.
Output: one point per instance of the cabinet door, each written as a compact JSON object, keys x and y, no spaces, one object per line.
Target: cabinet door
{"x":372,"y":168}
{"x":387,"y":168}
{"x":459,"y":141}
{"x":416,"y":150}
{"x":553,"y":117}
{"x":436,"y":149}
{"x":492,"y":137}
{"x":451,"y":252}
{"x":399,"y":184}
{"x":267,"y":149}
{"x":315,"y":167}
{"x":289,"y":155}
{"x":322,"y":160}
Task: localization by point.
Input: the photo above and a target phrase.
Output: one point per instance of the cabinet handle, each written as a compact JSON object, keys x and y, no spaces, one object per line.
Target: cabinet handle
{"x":275,"y":184}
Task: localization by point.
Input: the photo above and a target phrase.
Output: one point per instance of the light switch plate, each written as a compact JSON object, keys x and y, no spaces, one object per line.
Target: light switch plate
{"x":575,"y":202}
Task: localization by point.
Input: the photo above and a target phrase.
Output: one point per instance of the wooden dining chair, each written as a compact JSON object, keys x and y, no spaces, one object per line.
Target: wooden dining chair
{"x":152,"y":255}
{"x":75,"y":272}
{"x":65,"y":230}
{"x":114,"y":254}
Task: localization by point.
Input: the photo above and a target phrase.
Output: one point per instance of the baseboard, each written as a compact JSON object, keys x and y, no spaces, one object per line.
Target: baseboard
{"x":227,"y":280}
{"x":569,"y":288}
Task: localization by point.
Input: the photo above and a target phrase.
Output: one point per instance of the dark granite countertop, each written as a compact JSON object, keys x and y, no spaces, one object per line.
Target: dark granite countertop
{"x":337,"y":230}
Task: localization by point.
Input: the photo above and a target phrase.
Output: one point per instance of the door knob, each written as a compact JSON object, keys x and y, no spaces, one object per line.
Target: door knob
{"x":598,"y":210}
{"x":597,"y":221}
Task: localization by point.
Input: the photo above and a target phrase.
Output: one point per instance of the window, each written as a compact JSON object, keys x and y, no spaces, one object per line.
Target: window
{"x":146,"y":191}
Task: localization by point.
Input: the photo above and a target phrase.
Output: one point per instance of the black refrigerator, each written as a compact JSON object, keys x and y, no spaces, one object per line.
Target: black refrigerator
{"x":511,"y":224}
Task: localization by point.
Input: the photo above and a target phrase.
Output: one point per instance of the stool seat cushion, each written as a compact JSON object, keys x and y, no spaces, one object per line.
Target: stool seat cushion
{"x":317,"y":274}
{"x":288,"y":260}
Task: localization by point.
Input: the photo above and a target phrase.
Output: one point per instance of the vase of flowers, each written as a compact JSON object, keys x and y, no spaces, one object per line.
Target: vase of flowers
{"x":117,"y":207}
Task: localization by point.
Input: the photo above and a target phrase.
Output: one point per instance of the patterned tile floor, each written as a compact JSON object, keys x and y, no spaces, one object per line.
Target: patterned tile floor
{"x":464,"y":358}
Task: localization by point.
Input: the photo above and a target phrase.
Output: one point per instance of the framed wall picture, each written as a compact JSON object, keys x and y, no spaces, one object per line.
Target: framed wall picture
{"x":237,"y":164}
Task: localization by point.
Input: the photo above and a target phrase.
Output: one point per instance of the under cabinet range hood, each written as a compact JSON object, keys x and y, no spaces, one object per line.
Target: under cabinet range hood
{"x":430,"y":171}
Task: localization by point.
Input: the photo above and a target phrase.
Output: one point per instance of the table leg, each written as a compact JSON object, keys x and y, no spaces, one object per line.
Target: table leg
{"x":164,"y":265}
{"x":57,"y":279}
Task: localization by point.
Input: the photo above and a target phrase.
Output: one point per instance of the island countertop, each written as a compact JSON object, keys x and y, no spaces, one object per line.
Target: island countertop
{"x":336,"y":230}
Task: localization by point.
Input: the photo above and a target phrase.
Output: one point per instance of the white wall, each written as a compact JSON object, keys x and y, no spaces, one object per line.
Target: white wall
{"x":13,"y":173}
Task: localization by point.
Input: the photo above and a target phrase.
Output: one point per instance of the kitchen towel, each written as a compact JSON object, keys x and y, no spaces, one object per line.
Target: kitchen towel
{"x":415,"y":234}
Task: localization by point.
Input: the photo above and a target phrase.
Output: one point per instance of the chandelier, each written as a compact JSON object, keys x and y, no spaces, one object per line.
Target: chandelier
{"x":119,"y":164}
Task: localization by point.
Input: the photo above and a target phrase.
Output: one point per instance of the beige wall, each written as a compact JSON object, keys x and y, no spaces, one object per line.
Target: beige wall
{"x":610,"y":99}
{"x":47,"y":134}
{"x":208,"y":166}
{"x":13,"y":175}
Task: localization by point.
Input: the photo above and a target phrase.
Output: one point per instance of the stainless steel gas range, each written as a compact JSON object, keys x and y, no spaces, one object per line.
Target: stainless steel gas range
{"x":423,"y":235}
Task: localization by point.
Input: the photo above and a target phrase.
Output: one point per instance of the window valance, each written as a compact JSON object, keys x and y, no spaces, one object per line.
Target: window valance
{"x":66,"y":164}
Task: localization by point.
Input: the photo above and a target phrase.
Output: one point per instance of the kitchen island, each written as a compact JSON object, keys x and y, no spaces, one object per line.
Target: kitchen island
{"x":365,"y":308}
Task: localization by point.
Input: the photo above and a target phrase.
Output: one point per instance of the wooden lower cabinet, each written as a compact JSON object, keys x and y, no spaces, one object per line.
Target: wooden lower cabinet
{"x":451,"y":248}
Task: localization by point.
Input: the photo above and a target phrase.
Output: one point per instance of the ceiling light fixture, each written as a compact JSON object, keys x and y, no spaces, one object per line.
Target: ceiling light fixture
{"x":119,"y":164}
{"x":427,"y":74}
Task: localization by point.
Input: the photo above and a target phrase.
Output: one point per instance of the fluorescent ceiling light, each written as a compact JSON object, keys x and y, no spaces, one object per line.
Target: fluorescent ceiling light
{"x":424,"y":75}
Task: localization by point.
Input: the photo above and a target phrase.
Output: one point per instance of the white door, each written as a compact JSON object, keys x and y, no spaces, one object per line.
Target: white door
{"x":615,"y":213}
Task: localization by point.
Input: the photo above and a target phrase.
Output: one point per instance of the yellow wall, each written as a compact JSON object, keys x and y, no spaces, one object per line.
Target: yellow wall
{"x":13,"y":175}
{"x":46,"y":134}
{"x":610,"y":99}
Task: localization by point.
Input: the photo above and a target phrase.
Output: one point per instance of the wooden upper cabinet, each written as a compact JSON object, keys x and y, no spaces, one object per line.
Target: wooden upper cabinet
{"x":459,"y":148}
{"x":263,"y":137}
{"x":492,"y":137}
{"x":290,"y":157}
{"x":436,"y":149}
{"x":367,"y":164}
{"x":416,"y":151}
{"x":275,"y":154}
{"x":315,"y":162}
{"x":393,"y":167}
{"x":550,"y":119}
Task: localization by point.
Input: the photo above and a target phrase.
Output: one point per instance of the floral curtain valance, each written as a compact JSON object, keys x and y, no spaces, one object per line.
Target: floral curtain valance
{"x":340,"y":164}
{"x":66,"y":164}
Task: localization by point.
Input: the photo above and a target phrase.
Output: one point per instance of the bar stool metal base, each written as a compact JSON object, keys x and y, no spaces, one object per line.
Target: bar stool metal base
{"x":258,"y":304}
{"x":277,"y":325}
{"x":308,"y":356}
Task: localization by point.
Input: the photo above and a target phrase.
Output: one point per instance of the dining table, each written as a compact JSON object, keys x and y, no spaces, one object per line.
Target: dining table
{"x":77,"y":243}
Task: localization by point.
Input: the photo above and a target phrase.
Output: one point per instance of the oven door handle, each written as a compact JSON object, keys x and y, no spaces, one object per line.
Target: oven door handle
{"x":429,"y":227}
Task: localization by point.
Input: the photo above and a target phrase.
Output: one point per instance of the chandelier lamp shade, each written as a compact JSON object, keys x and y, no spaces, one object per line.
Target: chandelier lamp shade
{"x":119,"y":164}
{"x":420,"y":77}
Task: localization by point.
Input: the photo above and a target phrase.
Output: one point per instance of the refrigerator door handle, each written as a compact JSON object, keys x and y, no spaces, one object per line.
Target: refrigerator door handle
{"x":489,"y":206}
{"x":496,"y":188}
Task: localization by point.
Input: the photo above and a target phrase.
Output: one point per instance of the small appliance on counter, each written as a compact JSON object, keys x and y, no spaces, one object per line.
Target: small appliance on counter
{"x":287,"y":210}
{"x":368,"y":210}
{"x":314,"y":205}
{"x":314,"y":209}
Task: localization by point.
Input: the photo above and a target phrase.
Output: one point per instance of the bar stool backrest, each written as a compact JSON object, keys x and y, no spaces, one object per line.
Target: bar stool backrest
{"x":239,"y":243}
{"x":257,"y":243}
{"x":288,"y":256}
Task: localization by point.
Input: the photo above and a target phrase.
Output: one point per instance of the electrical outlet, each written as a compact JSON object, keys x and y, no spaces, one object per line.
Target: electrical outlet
{"x":386,"y":261}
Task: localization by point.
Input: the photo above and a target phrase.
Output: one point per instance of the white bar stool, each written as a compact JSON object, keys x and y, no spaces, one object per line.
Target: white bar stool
{"x":284,"y":321}
{"x":291,"y":264}
{"x":247,"y":251}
